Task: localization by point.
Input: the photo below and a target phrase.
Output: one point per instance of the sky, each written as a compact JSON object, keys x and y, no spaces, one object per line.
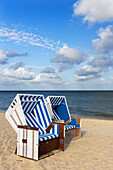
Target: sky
{"x":56,"y":45}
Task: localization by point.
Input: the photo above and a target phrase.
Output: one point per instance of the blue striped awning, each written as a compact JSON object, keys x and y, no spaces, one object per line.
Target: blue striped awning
{"x":41,"y":113}
{"x":30,"y":97}
{"x":56,"y":101}
{"x":32,"y":121}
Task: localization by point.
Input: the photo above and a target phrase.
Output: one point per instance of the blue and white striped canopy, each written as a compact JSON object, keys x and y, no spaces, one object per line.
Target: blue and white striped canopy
{"x":35,"y":111}
{"x":59,"y":108}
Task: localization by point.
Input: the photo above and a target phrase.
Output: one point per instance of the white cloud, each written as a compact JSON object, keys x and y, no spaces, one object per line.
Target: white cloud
{"x":94,"y":10}
{"x":104,"y":44}
{"x":102,"y":61}
{"x":22,"y":78}
{"x":16,"y":65}
{"x":48,"y":78}
{"x":19,"y":74}
{"x":48,"y":69}
{"x":87,"y":72}
{"x":4,"y":56}
{"x":20,"y":36}
{"x":66,"y":57}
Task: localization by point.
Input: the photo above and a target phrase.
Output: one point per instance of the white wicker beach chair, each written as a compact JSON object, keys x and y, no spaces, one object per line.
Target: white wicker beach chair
{"x":36,"y":134}
{"x":58,"y":109}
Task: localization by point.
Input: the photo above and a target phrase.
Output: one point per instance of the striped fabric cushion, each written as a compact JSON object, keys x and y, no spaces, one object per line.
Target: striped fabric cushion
{"x":47,"y":136}
{"x":67,"y":127}
{"x":55,"y":129}
{"x":32,"y":121}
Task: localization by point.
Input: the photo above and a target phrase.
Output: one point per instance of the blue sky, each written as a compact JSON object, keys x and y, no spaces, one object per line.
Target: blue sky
{"x":56,"y":45}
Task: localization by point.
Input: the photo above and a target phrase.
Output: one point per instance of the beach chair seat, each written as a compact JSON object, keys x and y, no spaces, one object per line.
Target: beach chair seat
{"x":29,"y":113}
{"x":67,"y":127}
{"x":47,"y":136}
{"x":59,"y":110}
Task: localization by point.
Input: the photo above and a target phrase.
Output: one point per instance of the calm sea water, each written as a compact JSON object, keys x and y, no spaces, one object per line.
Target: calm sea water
{"x":98,"y":104}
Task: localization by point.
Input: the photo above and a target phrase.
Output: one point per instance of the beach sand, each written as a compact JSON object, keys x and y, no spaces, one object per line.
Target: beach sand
{"x":94,"y":150}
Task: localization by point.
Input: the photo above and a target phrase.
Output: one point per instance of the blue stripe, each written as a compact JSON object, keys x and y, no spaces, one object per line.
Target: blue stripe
{"x":31,"y":126}
{"x":30,"y":120}
{"x":58,"y":129}
{"x":55,"y":114}
{"x":32,"y":106}
{"x":69,"y":127}
{"x":37,"y":123}
{"x":21,"y":97}
{"x":47,"y":136}
{"x":28,"y":104}
{"x":25,"y":97}
{"x":27,"y":122}
{"x":42,"y":115}
{"x":29,"y":98}
{"x":38,"y":115}
{"x":46,"y":111}
{"x":24,"y":105}
{"x":53,"y":129}
{"x":37,"y":98}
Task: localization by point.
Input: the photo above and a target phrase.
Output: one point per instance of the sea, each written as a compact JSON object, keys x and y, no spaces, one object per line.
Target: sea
{"x":89,"y":104}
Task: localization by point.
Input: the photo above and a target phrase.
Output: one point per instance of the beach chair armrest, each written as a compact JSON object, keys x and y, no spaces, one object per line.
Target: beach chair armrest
{"x":28,"y":127}
{"x":57,"y":121}
{"x":78,"y":119}
{"x":49,"y":127}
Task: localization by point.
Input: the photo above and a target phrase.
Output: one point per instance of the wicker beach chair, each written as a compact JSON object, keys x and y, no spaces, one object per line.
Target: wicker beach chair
{"x":58,"y":109}
{"x":36,"y":134}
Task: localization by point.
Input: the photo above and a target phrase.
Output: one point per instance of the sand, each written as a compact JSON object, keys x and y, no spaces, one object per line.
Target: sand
{"x":94,"y":150}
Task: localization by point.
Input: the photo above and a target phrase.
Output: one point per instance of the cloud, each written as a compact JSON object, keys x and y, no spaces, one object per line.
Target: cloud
{"x":102,"y":61}
{"x":66,"y":57}
{"x":16,"y":65}
{"x":11,"y":54}
{"x":4,"y":56}
{"x":104,"y":44}
{"x":22,"y":78}
{"x":19,"y":74}
{"x":18,"y":35}
{"x":48,"y":69}
{"x":49,"y":78}
{"x":94,"y":10}
{"x":87,"y":73}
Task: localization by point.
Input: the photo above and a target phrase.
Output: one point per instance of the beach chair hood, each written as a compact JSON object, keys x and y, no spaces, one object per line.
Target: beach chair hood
{"x":26,"y":106}
{"x":59,"y":108}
